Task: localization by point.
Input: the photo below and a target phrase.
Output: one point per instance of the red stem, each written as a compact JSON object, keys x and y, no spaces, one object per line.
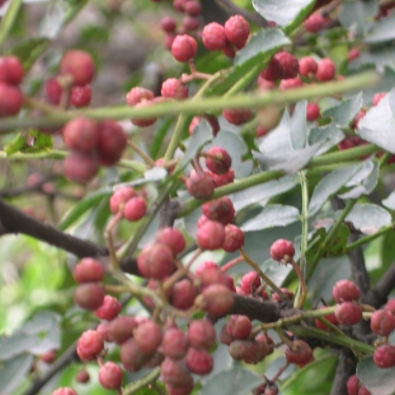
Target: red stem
{"x":232,"y":263}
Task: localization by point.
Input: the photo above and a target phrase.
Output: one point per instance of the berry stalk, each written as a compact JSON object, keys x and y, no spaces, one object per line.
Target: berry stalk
{"x":138,"y":385}
{"x":268,"y":281}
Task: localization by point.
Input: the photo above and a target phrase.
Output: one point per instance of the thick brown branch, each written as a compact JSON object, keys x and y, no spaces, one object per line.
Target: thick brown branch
{"x":256,"y":309}
{"x":383,"y":288}
{"x":13,"y":220}
{"x":345,"y":369}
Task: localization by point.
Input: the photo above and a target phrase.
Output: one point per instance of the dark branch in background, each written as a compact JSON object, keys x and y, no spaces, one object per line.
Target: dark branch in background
{"x":69,"y":356}
{"x":13,"y":220}
{"x":378,"y":295}
{"x":38,"y":188}
{"x":359,"y":274}
{"x":256,"y":309}
{"x":212,"y":12}
{"x":250,"y":16}
{"x":345,"y":368}
{"x":383,"y":288}
{"x":167,"y":213}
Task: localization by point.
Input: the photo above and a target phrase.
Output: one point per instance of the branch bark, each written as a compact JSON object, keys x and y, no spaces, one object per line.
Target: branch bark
{"x":345,"y":368}
{"x":13,"y":220}
{"x":256,"y":309}
{"x":384,"y":286}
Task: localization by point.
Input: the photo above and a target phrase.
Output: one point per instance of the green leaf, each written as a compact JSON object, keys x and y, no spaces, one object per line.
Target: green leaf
{"x":329,"y":185}
{"x":357,"y":16}
{"x":261,"y":46}
{"x":369,"y":217}
{"x":327,"y":136}
{"x":83,"y":206}
{"x":202,"y":134}
{"x":42,"y":321}
{"x":152,"y":175}
{"x":236,"y":381}
{"x":378,"y":126}
{"x":15,"y":345}
{"x":276,"y":152}
{"x":387,"y":80}
{"x":288,"y":14}
{"x":38,"y":141}
{"x":391,"y":98}
{"x":299,"y":125}
{"x":271,"y":216}
{"x":160,"y":134}
{"x":390,"y":201}
{"x":364,"y":181}
{"x":17,"y":143}
{"x":38,"y":336}
{"x":328,"y":272}
{"x":277,"y":273}
{"x":28,"y":50}
{"x":381,"y":56}
{"x":13,"y":371}
{"x":377,"y":381}
{"x":383,"y":30}
{"x":9,"y":19}
{"x":257,"y":246}
{"x":314,"y":378}
{"x":236,"y":148}
{"x":52,"y":23}
{"x":263,"y":192}
{"x":344,"y":112}
{"x":340,"y":242}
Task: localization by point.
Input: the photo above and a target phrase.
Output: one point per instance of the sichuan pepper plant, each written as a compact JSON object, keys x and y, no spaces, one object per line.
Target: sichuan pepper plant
{"x":226,"y":227}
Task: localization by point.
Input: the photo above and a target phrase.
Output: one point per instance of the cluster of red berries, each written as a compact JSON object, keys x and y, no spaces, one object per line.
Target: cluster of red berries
{"x":127,"y":201}
{"x":201,"y":184}
{"x":77,"y":65}
{"x":236,"y":334}
{"x":215,"y":229}
{"x":92,"y":144}
{"x":382,"y":324}
{"x":80,"y":96}
{"x":142,"y":341}
{"x":228,"y":38}
{"x":138,"y":97}
{"x":191,"y":22}
{"x":348,"y":312}
{"x":287,"y":72}
{"x":11,"y":75}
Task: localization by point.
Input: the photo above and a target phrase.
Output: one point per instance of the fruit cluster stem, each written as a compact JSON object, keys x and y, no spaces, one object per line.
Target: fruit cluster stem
{"x":145,"y":381}
{"x":268,"y":281}
{"x":148,"y":160}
